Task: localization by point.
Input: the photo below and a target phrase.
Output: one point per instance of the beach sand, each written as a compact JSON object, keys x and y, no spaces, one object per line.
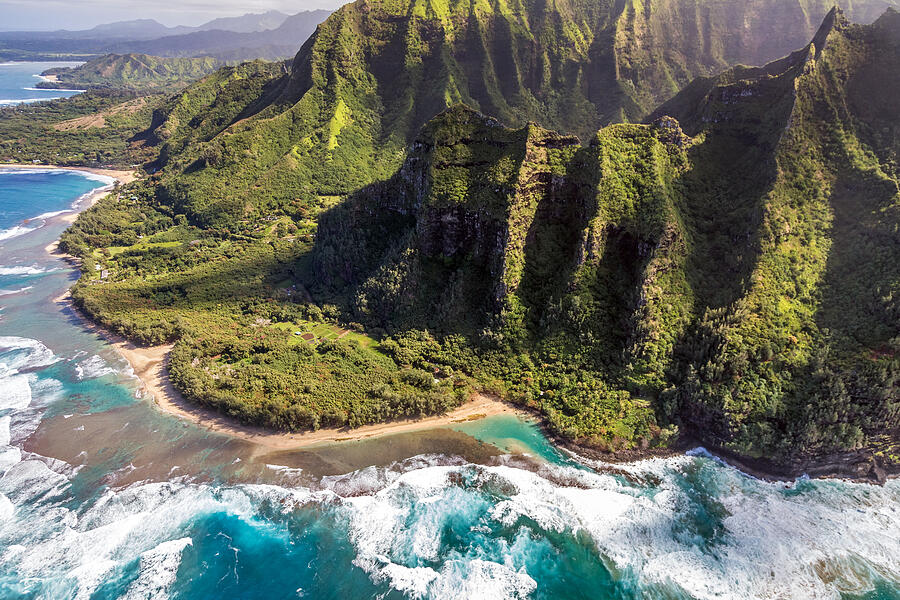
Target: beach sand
{"x":123,"y":175}
{"x":149,"y":365}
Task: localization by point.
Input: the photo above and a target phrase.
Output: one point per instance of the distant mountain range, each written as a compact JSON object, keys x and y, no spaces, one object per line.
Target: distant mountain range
{"x":270,"y":35}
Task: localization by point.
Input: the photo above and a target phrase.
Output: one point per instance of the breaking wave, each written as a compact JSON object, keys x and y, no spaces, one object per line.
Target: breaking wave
{"x":92,"y":368}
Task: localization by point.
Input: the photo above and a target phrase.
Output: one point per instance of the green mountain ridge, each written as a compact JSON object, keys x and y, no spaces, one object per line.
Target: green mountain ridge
{"x":376,"y":71}
{"x":729,"y":268}
{"x":706,"y":272}
{"x":138,"y":72}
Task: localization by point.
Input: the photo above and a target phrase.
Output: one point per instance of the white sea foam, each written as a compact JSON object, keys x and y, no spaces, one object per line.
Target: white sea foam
{"x":133,"y":523}
{"x":26,"y":353}
{"x":772,"y":542}
{"x":6,"y":508}
{"x":92,"y":368}
{"x":12,"y":101}
{"x":13,"y":292}
{"x":51,"y":214}
{"x":14,"y":232}
{"x":159,"y":567}
{"x":4,"y":430}
{"x":37,"y":89}
{"x":24,"y":270}
{"x":9,"y":456}
{"x":15,"y":391}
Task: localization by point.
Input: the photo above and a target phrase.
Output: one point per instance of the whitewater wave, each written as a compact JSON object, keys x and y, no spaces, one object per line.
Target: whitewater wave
{"x":745,"y":539}
{"x":487,"y":531}
{"x":12,"y":292}
{"x":14,"y":232}
{"x":23,"y":270}
{"x":158,"y":569}
{"x":19,"y":353}
{"x":12,"y":101}
{"x":37,"y":89}
{"x":436,"y":527}
{"x":92,"y":368}
{"x":15,"y":391}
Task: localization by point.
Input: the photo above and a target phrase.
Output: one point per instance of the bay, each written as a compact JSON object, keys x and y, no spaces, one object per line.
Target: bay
{"x":18,"y":81}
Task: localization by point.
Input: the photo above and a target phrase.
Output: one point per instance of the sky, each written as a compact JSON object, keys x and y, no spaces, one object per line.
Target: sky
{"x":49,"y":15}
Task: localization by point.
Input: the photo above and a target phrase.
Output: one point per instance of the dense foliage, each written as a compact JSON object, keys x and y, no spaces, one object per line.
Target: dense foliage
{"x":377,"y":70}
{"x":738,"y":280}
{"x":91,"y":129}
{"x":137,"y":72}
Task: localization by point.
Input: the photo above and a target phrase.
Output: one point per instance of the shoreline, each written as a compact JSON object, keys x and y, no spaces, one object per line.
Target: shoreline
{"x":123,"y":176}
{"x":150,"y":367}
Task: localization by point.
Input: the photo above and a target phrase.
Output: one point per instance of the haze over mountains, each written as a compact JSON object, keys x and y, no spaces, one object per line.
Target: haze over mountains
{"x":270,"y":35}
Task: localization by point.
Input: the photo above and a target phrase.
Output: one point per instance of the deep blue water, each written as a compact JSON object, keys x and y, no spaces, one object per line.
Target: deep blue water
{"x":104,"y":497}
{"x":18,"y":81}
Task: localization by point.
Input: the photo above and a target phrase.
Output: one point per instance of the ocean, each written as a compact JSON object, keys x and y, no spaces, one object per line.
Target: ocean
{"x":18,"y":81}
{"x":104,"y":497}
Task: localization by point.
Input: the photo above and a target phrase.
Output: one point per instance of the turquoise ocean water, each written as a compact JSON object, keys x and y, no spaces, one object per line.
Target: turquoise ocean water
{"x":103,"y":497}
{"x":18,"y":81}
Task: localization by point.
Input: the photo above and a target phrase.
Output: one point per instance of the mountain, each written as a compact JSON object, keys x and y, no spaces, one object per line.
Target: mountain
{"x":134,"y":30}
{"x":273,"y":44}
{"x":742,"y":273}
{"x":137,"y":29}
{"x":728,"y":268}
{"x":264,"y":35}
{"x":132,"y":72}
{"x":376,"y":71}
{"x":248,"y":23}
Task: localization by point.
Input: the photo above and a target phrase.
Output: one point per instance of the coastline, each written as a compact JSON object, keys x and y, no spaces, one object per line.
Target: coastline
{"x":150,"y":367}
{"x":123,"y":176}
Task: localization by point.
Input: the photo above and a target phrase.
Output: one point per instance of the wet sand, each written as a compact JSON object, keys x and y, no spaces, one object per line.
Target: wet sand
{"x":149,"y":366}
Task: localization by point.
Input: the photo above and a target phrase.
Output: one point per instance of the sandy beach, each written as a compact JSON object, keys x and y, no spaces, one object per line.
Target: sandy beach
{"x":124,"y":176}
{"x":149,"y":365}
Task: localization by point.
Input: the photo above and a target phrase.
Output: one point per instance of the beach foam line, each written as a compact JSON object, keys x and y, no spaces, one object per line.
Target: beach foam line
{"x":12,"y":169}
{"x":14,"y":232}
{"x":51,"y":214}
{"x":36,"y":89}
{"x":13,"y":101}
{"x":17,"y":291}
{"x":22,"y":270}
{"x":93,"y":368}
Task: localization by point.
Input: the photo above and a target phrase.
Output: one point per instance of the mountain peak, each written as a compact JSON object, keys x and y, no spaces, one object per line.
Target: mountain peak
{"x":834,"y":20}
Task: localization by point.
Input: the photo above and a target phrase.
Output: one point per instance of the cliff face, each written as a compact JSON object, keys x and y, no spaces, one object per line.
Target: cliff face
{"x":802,"y":351}
{"x":743,"y":279}
{"x":377,"y":70}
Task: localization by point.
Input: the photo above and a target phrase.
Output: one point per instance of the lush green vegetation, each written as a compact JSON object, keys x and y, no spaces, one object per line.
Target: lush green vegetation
{"x":228,"y":298}
{"x":137,"y":72}
{"x":738,"y":281}
{"x":91,"y":129}
{"x":375,"y":72}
